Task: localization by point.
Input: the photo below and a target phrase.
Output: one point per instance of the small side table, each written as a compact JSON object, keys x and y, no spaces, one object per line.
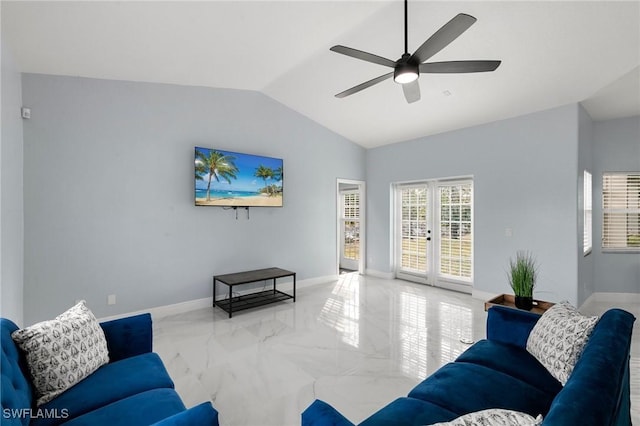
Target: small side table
{"x":509,"y":300}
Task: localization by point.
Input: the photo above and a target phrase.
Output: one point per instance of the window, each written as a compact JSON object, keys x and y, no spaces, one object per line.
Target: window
{"x":351,"y":205}
{"x":621,"y":211}
{"x":350,"y":230}
{"x":587,"y":232}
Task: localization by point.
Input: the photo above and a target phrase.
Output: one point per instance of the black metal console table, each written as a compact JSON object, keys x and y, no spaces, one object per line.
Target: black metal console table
{"x":258,"y":298}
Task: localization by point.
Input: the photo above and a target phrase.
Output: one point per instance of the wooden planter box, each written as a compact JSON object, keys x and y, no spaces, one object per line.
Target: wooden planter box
{"x":509,"y":300}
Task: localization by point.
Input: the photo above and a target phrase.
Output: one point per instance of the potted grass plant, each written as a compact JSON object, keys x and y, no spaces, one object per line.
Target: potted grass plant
{"x":522,"y":275}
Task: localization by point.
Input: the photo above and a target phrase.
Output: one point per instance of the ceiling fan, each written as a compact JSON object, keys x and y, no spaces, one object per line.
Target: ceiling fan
{"x":407,"y":69}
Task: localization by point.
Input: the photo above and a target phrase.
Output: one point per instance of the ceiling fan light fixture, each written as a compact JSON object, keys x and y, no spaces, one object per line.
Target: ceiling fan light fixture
{"x":408,"y":68}
{"x":405,"y":73}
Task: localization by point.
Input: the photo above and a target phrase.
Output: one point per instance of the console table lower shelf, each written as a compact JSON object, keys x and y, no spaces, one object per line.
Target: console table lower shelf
{"x":251,"y":300}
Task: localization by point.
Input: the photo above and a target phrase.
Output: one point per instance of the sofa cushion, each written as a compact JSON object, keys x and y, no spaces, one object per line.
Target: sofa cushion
{"x":409,"y":412}
{"x":319,"y":413}
{"x":63,"y":351}
{"x":464,"y":388}
{"x":494,"y":417}
{"x":558,"y":338}
{"x":509,"y":325}
{"x":514,"y":361}
{"x":110,"y":383}
{"x":202,"y":414}
{"x":129,"y":336}
{"x":142,"y":409}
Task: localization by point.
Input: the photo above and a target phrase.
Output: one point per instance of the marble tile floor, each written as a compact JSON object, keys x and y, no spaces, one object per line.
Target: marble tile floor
{"x":357,"y":343}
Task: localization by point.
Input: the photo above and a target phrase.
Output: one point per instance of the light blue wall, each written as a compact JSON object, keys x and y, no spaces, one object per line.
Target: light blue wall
{"x":585,"y":162}
{"x":109,"y":206}
{"x":616,"y":148}
{"x":109,"y":192}
{"x":524,"y":172}
{"x":11,"y":204}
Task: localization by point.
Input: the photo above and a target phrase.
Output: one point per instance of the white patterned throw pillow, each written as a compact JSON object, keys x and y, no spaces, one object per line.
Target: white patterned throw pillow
{"x":558,"y":338}
{"x":63,"y":351}
{"x":494,"y":417}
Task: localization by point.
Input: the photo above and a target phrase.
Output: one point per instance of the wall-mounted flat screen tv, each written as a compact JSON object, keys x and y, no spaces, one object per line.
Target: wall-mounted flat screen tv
{"x":232,"y":179}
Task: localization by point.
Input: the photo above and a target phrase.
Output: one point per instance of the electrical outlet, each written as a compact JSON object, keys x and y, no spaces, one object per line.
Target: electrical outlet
{"x":111,"y":299}
{"x":508,"y":232}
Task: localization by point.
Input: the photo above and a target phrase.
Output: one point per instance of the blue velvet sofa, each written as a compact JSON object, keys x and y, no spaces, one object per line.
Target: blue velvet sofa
{"x":499,"y":373}
{"x":133,"y":389}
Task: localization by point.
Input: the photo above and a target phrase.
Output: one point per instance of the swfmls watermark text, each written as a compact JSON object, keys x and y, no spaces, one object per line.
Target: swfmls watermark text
{"x":35,"y":413}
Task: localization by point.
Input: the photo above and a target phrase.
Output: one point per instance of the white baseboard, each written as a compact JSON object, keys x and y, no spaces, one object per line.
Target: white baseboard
{"x":612,"y":298}
{"x":482,"y":295}
{"x":380,"y":274}
{"x":207,"y":302}
{"x":166,"y":310}
{"x":317,"y":280}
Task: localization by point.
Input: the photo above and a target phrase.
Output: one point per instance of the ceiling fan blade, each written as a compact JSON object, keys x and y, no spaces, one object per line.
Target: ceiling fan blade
{"x":411,"y":91}
{"x":459,"y":66}
{"x":364,"y":56}
{"x":364,"y":85}
{"x":445,"y":35}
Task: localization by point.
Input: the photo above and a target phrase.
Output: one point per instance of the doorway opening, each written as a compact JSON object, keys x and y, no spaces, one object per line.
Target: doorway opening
{"x":350,"y":226}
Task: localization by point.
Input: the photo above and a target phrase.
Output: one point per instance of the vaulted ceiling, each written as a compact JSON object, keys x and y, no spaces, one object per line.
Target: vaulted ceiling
{"x":553,"y":53}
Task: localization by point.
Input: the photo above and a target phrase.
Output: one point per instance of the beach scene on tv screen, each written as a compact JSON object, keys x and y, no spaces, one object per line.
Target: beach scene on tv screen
{"x":225,"y":178}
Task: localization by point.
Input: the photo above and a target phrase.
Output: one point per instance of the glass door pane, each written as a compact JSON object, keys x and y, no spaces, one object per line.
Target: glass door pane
{"x":413,"y":228}
{"x":350,"y":230}
{"x":351,"y":245}
{"x":455,"y":223}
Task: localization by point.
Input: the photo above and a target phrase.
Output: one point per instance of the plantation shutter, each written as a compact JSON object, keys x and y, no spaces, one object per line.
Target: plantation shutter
{"x":351,"y":205}
{"x":621,"y":211}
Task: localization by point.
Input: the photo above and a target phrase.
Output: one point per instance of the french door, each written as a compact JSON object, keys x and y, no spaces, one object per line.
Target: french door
{"x":413,"y":232}
{"x":434,"y":233}
{"x":350,"y":229}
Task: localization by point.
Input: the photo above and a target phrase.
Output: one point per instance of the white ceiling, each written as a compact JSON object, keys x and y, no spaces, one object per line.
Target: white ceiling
{"x":553,"y":53}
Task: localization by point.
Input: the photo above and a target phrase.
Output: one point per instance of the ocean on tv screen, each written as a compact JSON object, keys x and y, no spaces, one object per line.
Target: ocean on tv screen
{"x":221,"y":193}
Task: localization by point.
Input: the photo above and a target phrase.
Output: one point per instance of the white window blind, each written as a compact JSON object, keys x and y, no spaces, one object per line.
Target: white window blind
{"x":587,"y":234}
{"x":413,"y":218}
{"x":621,"y":211}
{"x":456,"y":238}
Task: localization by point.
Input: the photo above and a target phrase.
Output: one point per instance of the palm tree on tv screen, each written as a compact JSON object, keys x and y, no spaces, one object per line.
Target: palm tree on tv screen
{"x":216,"y":165}
{"x":264,"y":173}
{"x":277,"y":174}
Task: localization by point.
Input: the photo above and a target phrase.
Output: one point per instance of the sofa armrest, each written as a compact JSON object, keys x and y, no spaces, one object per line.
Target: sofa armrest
{"x":510,"y":326}
{"x":598,"y":390}
{"x":127,"y":337}
{"x":319,"y":413}
{"x":203,"y":414}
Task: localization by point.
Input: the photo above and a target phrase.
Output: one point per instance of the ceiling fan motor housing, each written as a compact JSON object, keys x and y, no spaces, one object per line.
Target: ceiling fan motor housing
{"x":406,"y":70}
